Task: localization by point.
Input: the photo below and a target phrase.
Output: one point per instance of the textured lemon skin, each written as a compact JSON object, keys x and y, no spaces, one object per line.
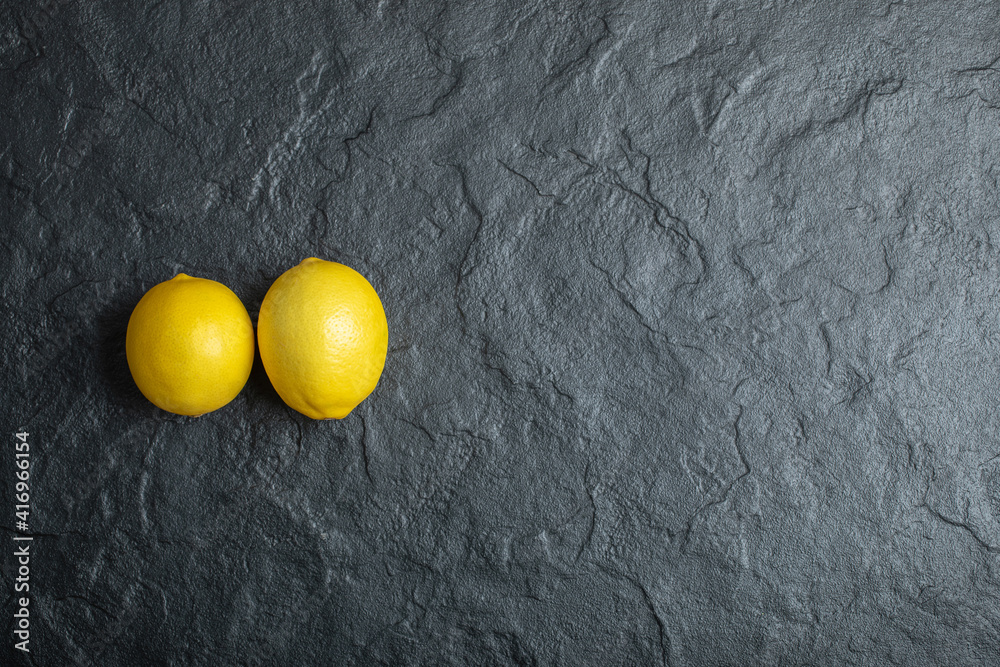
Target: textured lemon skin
{"x":190,"y":345}
{"x":323,"y":338}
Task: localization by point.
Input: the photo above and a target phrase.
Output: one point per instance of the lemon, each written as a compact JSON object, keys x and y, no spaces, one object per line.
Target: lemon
{"x":323,"y":338}
{"x":189,"y":345}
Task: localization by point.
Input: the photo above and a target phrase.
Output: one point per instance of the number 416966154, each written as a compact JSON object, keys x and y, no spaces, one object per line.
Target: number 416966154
{"x":22,"y":453}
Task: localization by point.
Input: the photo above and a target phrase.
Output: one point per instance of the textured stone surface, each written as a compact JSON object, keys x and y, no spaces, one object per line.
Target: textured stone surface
{"x":693,"y":321}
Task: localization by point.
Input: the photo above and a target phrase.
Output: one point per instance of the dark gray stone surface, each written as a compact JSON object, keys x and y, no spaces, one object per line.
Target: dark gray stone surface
{"x":693,"y":317}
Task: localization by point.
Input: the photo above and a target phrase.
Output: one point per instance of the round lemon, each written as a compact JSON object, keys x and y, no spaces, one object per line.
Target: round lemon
{"x":190,"y":345}
{"x":323,"y":338}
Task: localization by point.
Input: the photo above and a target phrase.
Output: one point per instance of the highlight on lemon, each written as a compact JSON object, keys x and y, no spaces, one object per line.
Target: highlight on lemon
{"x":190,"y":345}
{"x":323,"y":338}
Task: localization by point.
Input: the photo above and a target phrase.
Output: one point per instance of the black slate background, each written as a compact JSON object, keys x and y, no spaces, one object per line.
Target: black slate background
{"x":693,"y":317}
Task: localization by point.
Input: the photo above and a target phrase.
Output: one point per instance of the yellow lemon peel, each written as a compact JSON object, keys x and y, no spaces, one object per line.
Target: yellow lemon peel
{"x":323,"y":338}
{"x":190,"y":345}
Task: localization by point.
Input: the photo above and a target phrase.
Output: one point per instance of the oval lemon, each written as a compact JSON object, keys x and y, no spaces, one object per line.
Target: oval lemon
{"x":190,"y":345}
{"x":323,"y":338}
